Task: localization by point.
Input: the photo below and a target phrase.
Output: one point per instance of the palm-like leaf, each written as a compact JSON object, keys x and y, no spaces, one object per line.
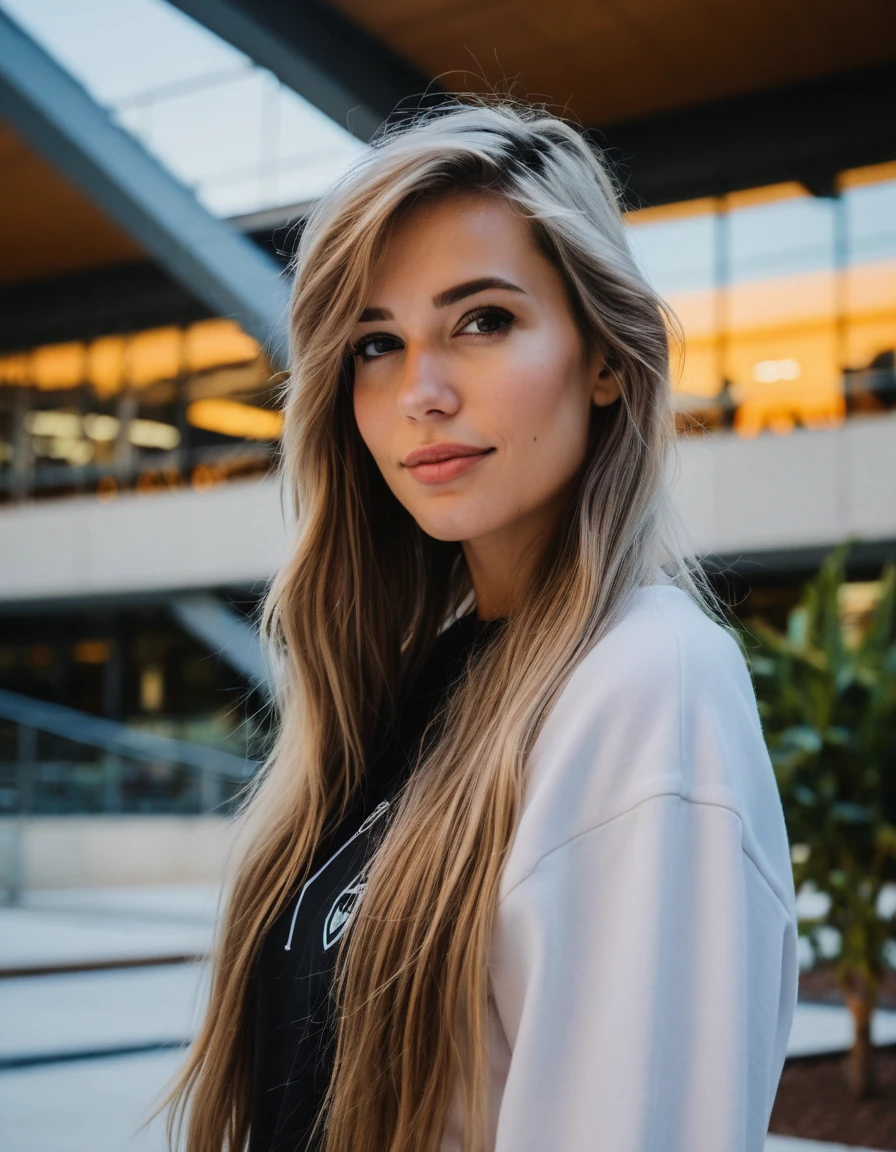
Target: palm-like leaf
{"x":828,"y":708}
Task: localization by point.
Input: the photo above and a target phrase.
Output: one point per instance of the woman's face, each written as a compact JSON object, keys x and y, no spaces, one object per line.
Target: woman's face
{"x":473,"y":389}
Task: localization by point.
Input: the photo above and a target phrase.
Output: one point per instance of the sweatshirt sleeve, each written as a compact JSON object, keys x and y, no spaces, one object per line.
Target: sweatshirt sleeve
{"x":647,"y":984}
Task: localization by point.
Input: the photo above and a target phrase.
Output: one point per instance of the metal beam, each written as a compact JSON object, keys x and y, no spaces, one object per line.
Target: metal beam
{"x":223,"y":269}
{"x":317,"y":52}
{"x":118,"y":298}
{"x":225,"y":633}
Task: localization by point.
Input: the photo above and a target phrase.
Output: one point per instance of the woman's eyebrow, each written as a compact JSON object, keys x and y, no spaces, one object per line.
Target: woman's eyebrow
{"x":449,"y":296}
{"x":470,"y":287}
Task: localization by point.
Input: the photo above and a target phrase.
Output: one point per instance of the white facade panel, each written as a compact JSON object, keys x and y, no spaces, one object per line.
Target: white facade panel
{"x":806,"y":489}
{"x":870,"y":451}
{"x":231,"y":534}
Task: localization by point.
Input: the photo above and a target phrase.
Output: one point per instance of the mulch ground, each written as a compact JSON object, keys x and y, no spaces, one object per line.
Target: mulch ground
{"x":813,"y":1101}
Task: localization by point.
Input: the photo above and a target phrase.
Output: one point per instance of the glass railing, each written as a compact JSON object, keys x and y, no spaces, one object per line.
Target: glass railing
{"x":55,"y":760}
{"x":150,"y":411}
{"x":780,"y":407}
{"x":745,"y":411}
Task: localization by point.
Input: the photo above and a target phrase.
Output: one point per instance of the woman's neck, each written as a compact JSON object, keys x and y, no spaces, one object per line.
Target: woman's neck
{"x":501,"y":564}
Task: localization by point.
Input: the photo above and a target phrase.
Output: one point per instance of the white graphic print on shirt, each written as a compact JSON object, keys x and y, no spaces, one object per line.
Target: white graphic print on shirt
{"x":342,"y":911}
{"x":371,"y":819}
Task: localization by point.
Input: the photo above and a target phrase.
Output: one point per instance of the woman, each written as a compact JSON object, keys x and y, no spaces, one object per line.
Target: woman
{"x":517,"y":875}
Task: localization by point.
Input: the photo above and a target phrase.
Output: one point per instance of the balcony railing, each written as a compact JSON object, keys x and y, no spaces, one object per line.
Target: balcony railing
{"x":747,"y":411}
{"x":58,"y":761}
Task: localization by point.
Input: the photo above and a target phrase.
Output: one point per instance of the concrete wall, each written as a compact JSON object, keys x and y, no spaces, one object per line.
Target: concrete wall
{"x":101,"y":851}
{"x":142,"y":542}
{"x":806,"y":489}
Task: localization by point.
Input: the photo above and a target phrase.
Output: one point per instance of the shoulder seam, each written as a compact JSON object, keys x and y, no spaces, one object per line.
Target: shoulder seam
{"x":632,"y":808}
{"x":768,"y":884}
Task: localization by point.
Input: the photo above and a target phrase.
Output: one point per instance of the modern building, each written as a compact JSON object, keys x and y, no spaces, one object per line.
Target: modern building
{"x":156,"y":171}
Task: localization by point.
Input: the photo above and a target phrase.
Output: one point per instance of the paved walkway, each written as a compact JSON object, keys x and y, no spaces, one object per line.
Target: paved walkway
{"x":90,"y":926}
{"x":99,"y":1106}
{"x":84,"y":1053}
{"x":57,"y":1017}
{"x":89,"y":1106}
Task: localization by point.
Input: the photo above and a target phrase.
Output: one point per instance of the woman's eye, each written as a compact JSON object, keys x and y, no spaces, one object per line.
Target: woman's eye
{"x":373,"y":347}
{"x":486,"y":322}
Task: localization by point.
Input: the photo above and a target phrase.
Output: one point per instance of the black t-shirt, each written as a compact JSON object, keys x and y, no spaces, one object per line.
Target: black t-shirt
{"x":294,"y":1019}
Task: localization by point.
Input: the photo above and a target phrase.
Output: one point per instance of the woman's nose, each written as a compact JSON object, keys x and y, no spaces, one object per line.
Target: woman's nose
{"x":424,"y":389}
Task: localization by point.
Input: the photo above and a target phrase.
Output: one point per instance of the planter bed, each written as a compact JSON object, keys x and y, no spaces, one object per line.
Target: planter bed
{"x":813,"y":1102}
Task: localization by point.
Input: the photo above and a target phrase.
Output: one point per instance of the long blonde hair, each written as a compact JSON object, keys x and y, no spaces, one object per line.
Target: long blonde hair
{"x":357,"y":606}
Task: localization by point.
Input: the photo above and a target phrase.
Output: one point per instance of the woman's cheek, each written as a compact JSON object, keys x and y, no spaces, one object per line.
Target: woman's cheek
{"x":550,"y":435}
{"x":535,"y":401}
{"x":369,"y":417}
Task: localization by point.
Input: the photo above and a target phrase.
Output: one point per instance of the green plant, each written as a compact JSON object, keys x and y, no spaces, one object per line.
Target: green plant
{"x":827,"y":699}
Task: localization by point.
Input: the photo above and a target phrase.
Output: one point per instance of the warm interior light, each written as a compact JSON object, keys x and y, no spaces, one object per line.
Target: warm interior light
{"x":100,"y":427}
{"x":152,"y":688}
{"x":91,"y":652}
{"x":231,"y":418}
{"x":212,"y":343}
{"x":107,"y":363}
{"x":204,"y":477}
{"x":153,"y":434}
{"x":58,"y":366}
{"x":771,"y":371}
{"x":106,"y":489}
{"x":111,"y":363}
{"x":73,"y":451}
{"x":870,"y":174}
{"x":53,"y":423}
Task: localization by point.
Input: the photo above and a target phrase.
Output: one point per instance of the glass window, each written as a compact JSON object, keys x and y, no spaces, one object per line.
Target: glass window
{"x":677,"y":253}
{"x":779,"y":238}
{"x":677,"y":250}
{"x":781,"y":353}
{"x":222,"y":125}
{"x":152,"y":410}
{"x":869,"y":294}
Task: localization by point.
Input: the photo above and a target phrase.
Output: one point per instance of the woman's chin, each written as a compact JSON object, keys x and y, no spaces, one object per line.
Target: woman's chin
{"x":460,"y":528}
{"x":445,"y":532}
{"x":449,"y":528}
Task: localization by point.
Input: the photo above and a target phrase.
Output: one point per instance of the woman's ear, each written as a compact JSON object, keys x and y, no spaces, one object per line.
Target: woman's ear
{"x":604,"y":381}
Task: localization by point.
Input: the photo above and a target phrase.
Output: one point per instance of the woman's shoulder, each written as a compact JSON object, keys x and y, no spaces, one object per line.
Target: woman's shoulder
{"x":663,"y":704}
{"x":663,"y":634}
{"x":663,"y":654}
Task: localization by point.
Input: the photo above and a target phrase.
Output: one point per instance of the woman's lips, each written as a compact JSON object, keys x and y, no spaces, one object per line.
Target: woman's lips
{"x":443,"y":461}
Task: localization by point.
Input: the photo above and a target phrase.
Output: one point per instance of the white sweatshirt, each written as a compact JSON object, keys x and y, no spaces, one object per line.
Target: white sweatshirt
{"x":644,"y":962}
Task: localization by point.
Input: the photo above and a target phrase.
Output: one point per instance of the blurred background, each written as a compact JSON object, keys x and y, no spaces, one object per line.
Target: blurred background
{"x":156,"y":163}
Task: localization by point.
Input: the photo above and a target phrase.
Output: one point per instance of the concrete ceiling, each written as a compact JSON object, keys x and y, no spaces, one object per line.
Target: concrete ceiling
{"x":614,"y":61}
{"x":47,"y":226}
